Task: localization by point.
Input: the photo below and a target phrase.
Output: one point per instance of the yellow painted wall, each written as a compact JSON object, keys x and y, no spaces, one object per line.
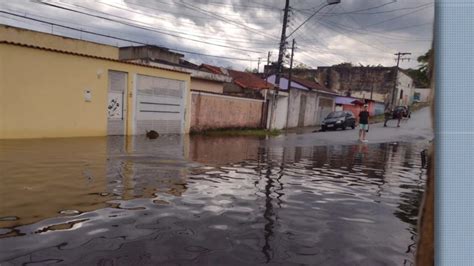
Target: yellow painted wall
{"x":47,"y":40}
{"x":43,"y":93}
{"x":207,"y":85}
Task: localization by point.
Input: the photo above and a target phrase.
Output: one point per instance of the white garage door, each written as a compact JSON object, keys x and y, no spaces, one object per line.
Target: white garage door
{"x":159,"y":105}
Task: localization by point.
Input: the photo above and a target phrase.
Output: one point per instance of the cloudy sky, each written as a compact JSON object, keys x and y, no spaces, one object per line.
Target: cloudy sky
{"x":237,"y":33}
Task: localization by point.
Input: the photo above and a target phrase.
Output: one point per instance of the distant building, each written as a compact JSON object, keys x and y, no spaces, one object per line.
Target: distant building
{"x":373,"y":83}
{"x":422,"y":95}
{"x":308,"y":103}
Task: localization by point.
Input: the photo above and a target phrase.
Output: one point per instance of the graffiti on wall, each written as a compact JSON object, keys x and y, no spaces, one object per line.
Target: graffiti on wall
{"x":114,"y":106}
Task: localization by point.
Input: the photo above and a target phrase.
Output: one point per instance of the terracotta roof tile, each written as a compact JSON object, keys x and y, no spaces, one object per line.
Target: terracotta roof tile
{"x":249,"y":80}
{"x":243,"y":79}
{"x":85,"y":55}
{"x":311,"y":84}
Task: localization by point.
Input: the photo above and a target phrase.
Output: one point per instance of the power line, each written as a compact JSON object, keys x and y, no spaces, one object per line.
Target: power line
{"x":333,"y":28}
{"x":262,"y":6}
{"x":143,"y":27}
{"x":192,"y":7}
{"x":378,"y":12}
{"x":397,"y":17}
{"x":196,"y":35}
{"x":384,"y":35}
{"x":174,"y":4}
{"x":119,"y":38}
{"x":365,"y":9}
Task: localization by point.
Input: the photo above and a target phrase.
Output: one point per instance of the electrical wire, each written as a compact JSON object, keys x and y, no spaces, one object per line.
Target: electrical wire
{"x":256,"y":31}
{"x":195,"y":35}
{"x":119,"y":38}
{"x":145,"y":27}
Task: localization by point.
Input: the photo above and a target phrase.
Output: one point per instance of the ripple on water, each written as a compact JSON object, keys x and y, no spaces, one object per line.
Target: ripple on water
{"x":308,"y":205}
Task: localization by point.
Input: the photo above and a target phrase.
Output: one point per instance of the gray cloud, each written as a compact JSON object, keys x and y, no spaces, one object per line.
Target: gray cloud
{"x":366,"y":32}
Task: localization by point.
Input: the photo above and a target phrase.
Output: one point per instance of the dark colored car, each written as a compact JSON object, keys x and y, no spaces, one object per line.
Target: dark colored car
{"x":338,"y":119}
{"x":403,"y":110}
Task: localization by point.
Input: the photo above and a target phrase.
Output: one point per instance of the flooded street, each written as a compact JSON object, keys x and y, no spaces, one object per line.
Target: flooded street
{"x":208,"y":200}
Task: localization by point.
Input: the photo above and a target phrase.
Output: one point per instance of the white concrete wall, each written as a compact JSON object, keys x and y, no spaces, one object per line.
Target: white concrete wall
{"x":425,"y":94}
{"x":281,"y":107}
{"x":294,"y":108}
{"x":405,"y":83}
{"x":311,"y":117}
{"x":311,"y":114}
{"x":323,"y":110}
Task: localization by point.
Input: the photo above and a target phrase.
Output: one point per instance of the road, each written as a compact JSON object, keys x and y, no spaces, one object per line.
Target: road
{"x":310,"y":198}
{"x":417,"y":128}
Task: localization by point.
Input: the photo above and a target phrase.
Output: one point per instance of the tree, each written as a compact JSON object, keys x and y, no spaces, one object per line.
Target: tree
{"x":421,"y":75}
{"x":344,"y":64}
{"x":424,"y":61}
{"x":301,"y":66}
{"x":250,"y":70}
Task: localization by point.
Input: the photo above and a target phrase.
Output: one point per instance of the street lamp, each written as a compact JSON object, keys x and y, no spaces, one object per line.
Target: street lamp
{"x":328,"y":3}
{"x":284,"y":37}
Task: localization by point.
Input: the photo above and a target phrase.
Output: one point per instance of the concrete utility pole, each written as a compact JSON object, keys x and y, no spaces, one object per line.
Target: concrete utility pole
{"x":280,"y":60}
{"x":283,"y":44}
{"x":258,"y":64}
{"x":399,"y":57}
{"x":289,"y":84}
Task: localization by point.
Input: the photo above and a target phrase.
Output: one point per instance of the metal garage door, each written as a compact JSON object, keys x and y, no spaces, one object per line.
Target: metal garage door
{"x":159,"y":105}
{"x":116,"y":104}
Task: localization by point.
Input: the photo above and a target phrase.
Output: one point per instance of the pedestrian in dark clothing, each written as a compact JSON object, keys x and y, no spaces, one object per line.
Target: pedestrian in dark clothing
{"x":363,"y":123}
{"x":387,"y":114}
{"x":398,"y":116}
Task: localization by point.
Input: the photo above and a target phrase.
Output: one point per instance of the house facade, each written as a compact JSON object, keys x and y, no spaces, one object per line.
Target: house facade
{"x":75,"y":92}
{"x":373,"y":83}
{"x":305,"y":104}
{"x":422,"y":95}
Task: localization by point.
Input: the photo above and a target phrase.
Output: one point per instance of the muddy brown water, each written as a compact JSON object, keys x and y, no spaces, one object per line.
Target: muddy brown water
{"x":207,"y":200}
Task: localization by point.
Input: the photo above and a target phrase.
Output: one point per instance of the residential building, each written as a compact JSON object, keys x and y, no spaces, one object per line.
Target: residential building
{"x":61,"y":43}
{"x":221,"y":98}
{"x":67,"y":89}
{"x":374,"y":83}
{"x":422,"y":95}
{"x":305,"y":104}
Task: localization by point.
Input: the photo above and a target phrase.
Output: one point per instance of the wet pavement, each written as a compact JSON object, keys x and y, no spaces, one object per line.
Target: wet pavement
{"x":202,"y":200}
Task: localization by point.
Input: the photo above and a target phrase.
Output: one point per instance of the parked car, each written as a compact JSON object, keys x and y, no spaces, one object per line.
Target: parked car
{"x":338,"y":119}
{"x":405,"y":111}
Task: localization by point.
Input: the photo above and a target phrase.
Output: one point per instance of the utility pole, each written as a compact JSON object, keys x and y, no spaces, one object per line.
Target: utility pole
{"x":258,"y":64}
{"x":289,"y":84}
{"x":268,"y":59}
{"x":399,"y":57}
{"x":280,"y":60}
{"x":282,"y":43}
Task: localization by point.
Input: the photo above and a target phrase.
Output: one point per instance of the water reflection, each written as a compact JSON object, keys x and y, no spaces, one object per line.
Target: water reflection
{"x":123,"y":200}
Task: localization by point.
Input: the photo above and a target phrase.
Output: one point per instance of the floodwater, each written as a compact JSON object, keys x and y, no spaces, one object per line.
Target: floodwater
{"x":207,"y":200}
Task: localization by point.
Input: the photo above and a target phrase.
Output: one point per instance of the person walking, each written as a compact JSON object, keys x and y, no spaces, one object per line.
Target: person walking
{"x":398,"y":116}
{"x":363,"y":123}
{"x":387,"y":115}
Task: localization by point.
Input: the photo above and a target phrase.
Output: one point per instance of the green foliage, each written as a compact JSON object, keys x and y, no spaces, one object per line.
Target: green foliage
{"x":344,"y":64}
{"x":301,"y":66}
{"x":421,"y":75}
